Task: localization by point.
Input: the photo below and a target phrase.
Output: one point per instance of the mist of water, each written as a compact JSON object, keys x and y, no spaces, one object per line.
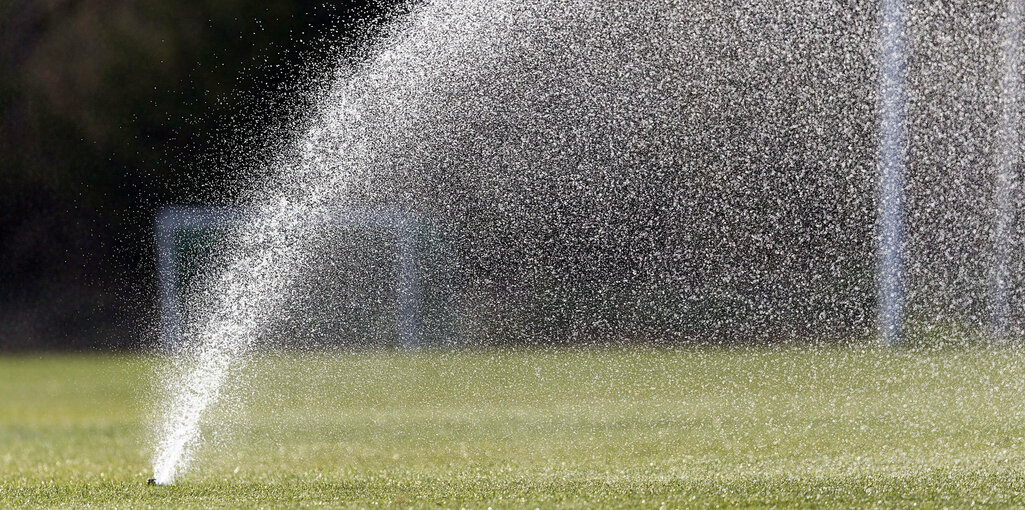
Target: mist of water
{"x":270,"y":250}
{"x":661,"y":172}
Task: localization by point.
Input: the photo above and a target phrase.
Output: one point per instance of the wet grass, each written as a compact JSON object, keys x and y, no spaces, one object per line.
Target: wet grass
{"x":564,"y":428}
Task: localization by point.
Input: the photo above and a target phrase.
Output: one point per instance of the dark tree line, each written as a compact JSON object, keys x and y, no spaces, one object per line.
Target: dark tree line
{"x":111,"y":108}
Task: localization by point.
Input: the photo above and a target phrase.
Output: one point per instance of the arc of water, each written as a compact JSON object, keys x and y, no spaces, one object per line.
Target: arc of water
{"x":249,"y":289}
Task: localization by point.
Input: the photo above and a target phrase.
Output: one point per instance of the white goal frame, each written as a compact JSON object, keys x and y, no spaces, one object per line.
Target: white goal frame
{"x":403,"y":223}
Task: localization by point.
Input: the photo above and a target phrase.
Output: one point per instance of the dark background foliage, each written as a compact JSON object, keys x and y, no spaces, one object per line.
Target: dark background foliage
{"x":111,"y":108}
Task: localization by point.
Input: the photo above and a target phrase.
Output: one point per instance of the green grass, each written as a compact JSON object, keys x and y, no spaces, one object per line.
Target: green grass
{"x":564,"y":428}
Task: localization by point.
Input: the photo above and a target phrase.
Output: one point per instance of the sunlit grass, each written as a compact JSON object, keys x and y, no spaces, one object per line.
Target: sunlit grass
{"x":569,"y":428}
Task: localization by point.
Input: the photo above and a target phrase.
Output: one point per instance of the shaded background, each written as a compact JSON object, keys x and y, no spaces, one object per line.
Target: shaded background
{"x":112,"y":108}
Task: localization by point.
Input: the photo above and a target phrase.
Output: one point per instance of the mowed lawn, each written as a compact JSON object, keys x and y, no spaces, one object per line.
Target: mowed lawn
{"x":533,"y":428}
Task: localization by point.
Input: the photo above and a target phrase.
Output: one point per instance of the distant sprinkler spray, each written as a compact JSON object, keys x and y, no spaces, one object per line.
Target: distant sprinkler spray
{"x":1006,"y":167}
{"x":892,"y":159}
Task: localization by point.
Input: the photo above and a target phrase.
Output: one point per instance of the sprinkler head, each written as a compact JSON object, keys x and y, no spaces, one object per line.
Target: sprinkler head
{"x":151,"y":481}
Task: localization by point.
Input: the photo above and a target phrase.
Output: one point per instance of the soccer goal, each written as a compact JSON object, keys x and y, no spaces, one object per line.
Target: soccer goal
{"x":175,"y":224}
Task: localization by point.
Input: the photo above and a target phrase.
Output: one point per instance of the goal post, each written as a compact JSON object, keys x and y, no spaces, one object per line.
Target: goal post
{"x":171,"y":221}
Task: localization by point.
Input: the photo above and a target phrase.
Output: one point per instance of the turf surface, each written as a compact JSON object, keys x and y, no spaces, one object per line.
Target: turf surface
{"x":564,"y":428}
